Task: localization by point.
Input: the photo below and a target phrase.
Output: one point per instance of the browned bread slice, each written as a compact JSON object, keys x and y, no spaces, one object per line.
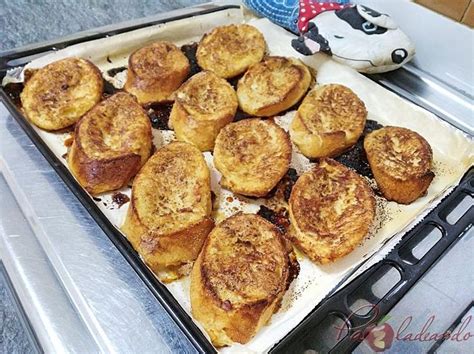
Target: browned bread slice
{"x":155,"y":72}
{"x":203,"y":105}
{"x":252,"y":155}
{"x":239,"y":278}
{"x":331,"y":209}
{"x":401,"y":161}
{"x":272,"y":86}
{"x":60,"y":93}
{"x":169,"y":214}
{"x":229,"y":50}
{"x":330,"y":119}
{"x":111,"y":143}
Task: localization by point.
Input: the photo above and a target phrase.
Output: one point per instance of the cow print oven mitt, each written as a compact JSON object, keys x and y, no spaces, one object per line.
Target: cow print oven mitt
{"x":354,"y":35}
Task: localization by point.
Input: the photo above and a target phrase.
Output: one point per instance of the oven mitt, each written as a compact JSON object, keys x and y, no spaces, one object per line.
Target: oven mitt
{"x":354,"y":35}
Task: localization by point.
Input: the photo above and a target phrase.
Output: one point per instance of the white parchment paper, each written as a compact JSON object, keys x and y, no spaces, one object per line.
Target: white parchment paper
{"x":452,"y":149}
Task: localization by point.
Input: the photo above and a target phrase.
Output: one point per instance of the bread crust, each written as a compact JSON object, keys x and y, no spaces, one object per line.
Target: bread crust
{"x":272,"y":86}
{"x":169,"y":214}
{"x":239,"y":278}
{"x":252,"y":155}
{"x":331,"y":209}
{"x":203,"y":106}
{"x":228,"y":51}
{"x":155,"y":72}
{"x":59,"y":94}
{"x":330,"y":120}
{"x":111,"y":143}
{"x":401,"y":161}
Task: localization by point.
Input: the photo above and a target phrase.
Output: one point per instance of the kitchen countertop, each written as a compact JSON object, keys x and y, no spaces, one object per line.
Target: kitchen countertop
{"x":23,"y":22}
{"x":13,"y":332}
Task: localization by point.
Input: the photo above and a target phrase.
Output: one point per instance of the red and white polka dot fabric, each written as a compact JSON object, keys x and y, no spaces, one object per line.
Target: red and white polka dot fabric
{"x":310,"y":9}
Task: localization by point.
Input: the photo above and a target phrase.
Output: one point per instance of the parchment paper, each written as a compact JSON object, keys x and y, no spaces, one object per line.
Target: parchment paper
{"x":452,"y":149}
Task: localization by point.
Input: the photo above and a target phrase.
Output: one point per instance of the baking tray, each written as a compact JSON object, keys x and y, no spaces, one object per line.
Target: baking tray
{"x":20,"y":57}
